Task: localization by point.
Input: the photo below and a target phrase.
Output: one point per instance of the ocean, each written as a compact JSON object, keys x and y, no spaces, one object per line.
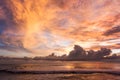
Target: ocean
{"x":69,"y":70}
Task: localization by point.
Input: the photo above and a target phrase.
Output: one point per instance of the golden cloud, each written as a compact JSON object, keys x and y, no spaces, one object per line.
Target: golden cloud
{"x":74,"y":20}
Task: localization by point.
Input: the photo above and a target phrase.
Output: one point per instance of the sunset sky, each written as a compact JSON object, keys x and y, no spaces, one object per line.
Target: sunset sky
{"x":40,"y":27}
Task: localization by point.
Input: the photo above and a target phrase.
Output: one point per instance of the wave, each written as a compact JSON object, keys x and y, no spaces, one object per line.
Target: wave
{"x":114,"y":72}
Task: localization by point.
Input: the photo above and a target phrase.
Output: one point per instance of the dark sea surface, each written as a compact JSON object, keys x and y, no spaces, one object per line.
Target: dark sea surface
{"x":42,"y":65}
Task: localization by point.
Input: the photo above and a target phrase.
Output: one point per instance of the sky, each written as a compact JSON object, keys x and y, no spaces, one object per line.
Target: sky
{"x":41,"y":27}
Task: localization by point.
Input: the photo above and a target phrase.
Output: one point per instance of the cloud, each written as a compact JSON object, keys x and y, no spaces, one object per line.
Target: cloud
{"x":2,"y":25}
{"x":12,"y":42}
{"x":112,"y":31}
{"x":80,"y":53}
{"x":99,"y":54}
{"x":75,"y":21}
{"x":77,"y":53}
{"x":6,"y":8}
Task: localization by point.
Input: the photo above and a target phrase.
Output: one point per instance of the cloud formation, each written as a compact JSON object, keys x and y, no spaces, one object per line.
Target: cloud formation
{"x":112,"y":31}
{"x":80,"y":53}
{"x":51,"y":25}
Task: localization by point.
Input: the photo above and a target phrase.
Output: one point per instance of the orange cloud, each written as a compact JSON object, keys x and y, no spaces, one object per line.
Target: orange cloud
{"x":76,"y":21}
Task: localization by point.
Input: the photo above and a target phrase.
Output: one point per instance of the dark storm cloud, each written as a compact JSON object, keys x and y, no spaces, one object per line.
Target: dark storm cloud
{"x":80,"y":53}
{"x":100,"y":54}
{"x":77,"y":53}
{"x":112,"y":31}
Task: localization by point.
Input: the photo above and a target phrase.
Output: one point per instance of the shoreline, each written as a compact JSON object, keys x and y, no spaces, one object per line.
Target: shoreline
{"x":83,"y":71}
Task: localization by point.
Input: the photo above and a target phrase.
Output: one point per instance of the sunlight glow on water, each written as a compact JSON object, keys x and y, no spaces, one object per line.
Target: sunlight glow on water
{"x":69,"y":66}
{"x":58,"y":65}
